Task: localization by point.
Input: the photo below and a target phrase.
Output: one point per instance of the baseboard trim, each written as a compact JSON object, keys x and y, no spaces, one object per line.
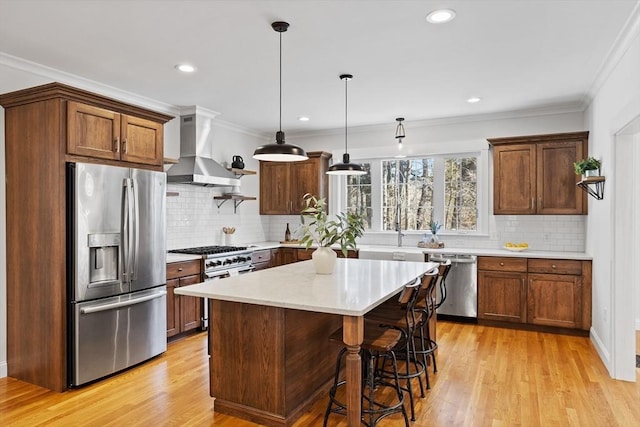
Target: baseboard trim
{"x":4,"y":369}
{"x":604,"y":354}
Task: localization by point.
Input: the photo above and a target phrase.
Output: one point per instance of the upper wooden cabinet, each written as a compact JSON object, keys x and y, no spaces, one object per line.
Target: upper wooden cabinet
{"x":283,"y":184}
{"x":534,"y":174}
{"x":97,"y":132}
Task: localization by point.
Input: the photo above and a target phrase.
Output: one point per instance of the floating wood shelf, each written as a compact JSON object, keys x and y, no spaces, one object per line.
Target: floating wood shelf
{"x":594,"y":186}
{"x":237,"y":200}
{"x":241,"y":172}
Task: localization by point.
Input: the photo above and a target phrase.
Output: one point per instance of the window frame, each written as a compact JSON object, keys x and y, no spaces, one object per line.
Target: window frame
{"x":338,"y":184}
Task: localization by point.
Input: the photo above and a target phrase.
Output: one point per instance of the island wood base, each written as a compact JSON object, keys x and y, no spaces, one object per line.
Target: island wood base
{"x":269,"y":364}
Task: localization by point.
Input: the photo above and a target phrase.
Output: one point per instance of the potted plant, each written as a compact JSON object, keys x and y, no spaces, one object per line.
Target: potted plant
{"x":587,"y":167}
{"x":324,"y":232}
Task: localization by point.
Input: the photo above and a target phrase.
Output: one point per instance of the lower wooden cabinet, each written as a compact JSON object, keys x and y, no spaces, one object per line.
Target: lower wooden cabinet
{"x":183,"y":313}
{"x":502,"y":295}
{"x":544,"y":292}
{"x":282,"y":256}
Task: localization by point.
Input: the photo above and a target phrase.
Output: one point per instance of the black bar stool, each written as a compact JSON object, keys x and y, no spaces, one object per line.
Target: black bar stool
{"x":378,"y":342}
{"x":401,"y":315}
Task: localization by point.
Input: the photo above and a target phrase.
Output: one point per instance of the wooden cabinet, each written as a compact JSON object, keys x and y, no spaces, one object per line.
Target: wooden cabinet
{"x":35,"y":135}
{"x":105,"y":134}
{"x":305,"y":254}
{"x":282,"y":256}
{"x":535,"y":175}
{"x":183,"y":313}
{"x":555,"y":293}
{"x":283,"y":184}
{"x":261,"y":259}
{"x":502,"y":291}
{"x":543,"y":292}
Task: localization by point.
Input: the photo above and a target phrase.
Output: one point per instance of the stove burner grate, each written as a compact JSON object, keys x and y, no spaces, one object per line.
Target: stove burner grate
{"x":208,"y":250}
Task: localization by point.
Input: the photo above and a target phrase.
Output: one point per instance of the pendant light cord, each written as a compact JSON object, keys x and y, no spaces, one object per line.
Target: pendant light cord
{"x":280,"y":125}
{"x":346,"y":80}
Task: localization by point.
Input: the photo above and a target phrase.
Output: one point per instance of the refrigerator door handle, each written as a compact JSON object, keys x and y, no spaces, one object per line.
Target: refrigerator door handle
{"x":135,"y":229}
{"x":125,"y":230}
{"x":112,"y":306}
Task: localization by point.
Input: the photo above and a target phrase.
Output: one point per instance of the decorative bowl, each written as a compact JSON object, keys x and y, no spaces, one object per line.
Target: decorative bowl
{"x":515,"y":248}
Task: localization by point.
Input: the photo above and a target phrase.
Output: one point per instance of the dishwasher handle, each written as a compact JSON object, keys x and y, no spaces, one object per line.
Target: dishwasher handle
{"x":460,"y":259}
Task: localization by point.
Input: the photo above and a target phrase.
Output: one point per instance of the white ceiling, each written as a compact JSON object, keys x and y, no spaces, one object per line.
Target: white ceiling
{"x":514,"y":54}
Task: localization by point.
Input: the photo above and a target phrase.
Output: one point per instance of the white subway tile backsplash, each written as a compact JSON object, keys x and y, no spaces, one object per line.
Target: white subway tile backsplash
{"x":193,"y":219}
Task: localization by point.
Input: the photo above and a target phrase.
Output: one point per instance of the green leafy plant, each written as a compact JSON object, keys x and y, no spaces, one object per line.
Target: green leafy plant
{"x":587,"y":164}
{"x":434,"y":226}
{"x":317,"y":227}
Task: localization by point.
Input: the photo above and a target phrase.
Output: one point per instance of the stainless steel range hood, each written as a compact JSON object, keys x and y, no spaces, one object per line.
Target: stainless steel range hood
{"x":196,"y":165}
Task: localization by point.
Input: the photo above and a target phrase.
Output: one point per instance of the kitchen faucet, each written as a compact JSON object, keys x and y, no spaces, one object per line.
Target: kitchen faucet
{"x":399,"y":222}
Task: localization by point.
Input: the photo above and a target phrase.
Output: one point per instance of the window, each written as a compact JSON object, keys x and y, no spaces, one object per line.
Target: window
{"x":359,"y":195}
{"x":441,"y":188}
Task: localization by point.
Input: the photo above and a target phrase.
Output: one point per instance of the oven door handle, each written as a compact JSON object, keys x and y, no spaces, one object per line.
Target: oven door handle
{"x":221,"y":274}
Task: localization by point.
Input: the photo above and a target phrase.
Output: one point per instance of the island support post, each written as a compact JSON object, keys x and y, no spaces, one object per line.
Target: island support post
{"x":353,"y":335}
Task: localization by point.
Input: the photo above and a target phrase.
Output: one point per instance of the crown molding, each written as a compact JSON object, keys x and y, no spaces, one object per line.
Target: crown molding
{"x":621,"y":45}
{"x":86,"y":84}
{"x":548,"y":110}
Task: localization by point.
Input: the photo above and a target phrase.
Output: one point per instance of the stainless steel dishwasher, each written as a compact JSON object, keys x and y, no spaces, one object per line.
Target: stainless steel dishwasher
{"x":461,"y":286}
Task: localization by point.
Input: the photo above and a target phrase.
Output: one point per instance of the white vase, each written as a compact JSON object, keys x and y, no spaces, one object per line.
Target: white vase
{"x":324,"y":260}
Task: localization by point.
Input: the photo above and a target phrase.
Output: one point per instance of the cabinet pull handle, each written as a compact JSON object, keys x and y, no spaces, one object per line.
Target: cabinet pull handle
{"x":532,"y":206}
{"x":124,"y":145}
{"x":117,"y":147}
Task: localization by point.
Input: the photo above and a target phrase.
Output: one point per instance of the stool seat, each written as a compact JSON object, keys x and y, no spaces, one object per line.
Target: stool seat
{"x":376,"y":338}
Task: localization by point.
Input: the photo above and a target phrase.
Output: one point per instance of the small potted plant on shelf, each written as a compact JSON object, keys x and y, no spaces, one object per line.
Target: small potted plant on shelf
{"x":587,"y":167}
{"x":319,"y":229}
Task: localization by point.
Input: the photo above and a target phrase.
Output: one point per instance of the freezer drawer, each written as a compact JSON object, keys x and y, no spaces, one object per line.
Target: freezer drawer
{"x":112,"y":334}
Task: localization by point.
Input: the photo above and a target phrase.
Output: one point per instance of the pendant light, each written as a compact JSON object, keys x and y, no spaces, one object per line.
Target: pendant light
{"x":280,"y":151}
{"x":400,"y":132}
{"x":346,"y":167}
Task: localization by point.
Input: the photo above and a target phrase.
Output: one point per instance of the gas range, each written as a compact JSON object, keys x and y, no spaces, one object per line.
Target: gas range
{"x":221,"y":261}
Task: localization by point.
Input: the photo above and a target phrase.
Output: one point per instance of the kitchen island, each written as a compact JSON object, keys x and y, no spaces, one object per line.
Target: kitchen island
{"x":270,"y":358}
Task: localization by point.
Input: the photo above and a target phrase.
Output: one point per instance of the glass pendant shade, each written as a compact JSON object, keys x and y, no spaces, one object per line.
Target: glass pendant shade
{"x":280,"y":151}
{"x":346,"y":167}
{"x":400,"y":131}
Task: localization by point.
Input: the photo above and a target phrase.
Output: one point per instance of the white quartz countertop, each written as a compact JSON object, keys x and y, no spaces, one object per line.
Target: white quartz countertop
{"x":171,"y":257}
{"x":528,"y":253}
{"x":354,"y":288}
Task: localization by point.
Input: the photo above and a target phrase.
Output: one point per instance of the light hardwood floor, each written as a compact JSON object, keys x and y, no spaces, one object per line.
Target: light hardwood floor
{"x":486,"y":377}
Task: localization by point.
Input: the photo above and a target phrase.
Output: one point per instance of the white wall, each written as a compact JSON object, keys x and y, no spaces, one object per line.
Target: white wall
{"x":616,"y":104}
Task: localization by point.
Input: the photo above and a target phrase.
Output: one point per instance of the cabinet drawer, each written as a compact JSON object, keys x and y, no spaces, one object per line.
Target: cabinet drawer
{"x":502,"y":264}
{"x":555,"y":266}
{"x":263,"y":255}
{"x":183,"y":268}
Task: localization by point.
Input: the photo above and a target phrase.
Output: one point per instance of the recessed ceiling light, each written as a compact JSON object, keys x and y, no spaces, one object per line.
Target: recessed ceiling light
{"x":303,"y":118}
{"x":185,"y":68}
{"x":441,"y":16}
{"x":473,"y":100}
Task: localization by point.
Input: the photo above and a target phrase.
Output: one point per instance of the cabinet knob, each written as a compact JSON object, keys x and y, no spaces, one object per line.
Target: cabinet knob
{"x":502,"y":264}
{"x":553,"y":266}
{"x":180,"y":269}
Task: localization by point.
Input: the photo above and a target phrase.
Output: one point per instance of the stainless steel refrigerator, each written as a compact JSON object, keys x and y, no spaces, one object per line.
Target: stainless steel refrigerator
{"x":116,"y":268}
